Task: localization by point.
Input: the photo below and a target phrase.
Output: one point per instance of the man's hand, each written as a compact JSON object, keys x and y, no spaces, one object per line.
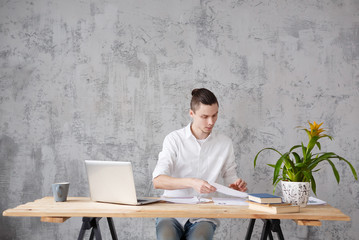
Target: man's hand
{"x":239,"y":185}
{"x":202,"y":186}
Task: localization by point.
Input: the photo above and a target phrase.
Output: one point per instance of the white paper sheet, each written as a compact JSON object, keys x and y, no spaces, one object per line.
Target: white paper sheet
{"x":229,"y":191}
{"x":230,"y":201}
{"x":186,"y":200}
{"x":315,"y":201}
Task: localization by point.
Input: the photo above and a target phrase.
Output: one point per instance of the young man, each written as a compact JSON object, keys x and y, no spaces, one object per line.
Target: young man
{"x":191,"y":158}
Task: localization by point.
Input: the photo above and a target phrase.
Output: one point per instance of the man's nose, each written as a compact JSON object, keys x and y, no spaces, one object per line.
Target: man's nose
{"x":210,"y":121}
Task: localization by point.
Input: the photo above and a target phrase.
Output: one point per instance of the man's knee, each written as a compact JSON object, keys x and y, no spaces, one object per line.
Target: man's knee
{"x":202,"y":231}
{"x":168,"y":229}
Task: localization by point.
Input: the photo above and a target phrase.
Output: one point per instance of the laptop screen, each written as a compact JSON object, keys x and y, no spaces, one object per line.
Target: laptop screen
{"x":111,"y":181}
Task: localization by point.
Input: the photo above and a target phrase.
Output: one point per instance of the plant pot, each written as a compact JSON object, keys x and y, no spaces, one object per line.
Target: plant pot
{"x":296,"y":193}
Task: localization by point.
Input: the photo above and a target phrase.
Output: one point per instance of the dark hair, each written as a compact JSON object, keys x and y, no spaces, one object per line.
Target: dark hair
{"x":204,"y":96}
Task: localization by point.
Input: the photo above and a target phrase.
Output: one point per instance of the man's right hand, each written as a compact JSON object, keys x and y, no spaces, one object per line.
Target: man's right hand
{"x":202,"y":186}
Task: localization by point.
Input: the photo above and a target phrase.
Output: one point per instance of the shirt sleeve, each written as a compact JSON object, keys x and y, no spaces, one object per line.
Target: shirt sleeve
{"x":229,"y":171}
{"x":166,"y":158}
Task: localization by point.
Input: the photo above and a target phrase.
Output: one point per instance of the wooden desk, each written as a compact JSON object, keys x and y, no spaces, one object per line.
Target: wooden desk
{"x":51,"y":211}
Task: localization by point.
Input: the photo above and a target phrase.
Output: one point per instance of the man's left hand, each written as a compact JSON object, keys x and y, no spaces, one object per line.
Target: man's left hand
{"x":239,"y":185}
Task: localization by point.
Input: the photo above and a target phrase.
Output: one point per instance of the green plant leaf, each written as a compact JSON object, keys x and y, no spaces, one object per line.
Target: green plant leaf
{"x":273,"y":149}
{"x":328,"y":136}
{"x":278,"y":167}
{"x":322,"y":157}
{"x":290,"y":175}
{"x":271,"y":165}
{"x":298,"y":177}
{"x":313,"y":184}
{"x":299,"y":165}
{"x":308,"y":132}
{"x":318,"y":145}
{"x":284,"y":173}
{"x":336,"y":174}
{"x":350,"y":165}
{"x":329,"y":155}
{"x":307,"y":176}
{"x":311,"y":144}
{"x":294,"y":147}
{"x":304,"y":151}
{"x":275,"y":184}
{"x":297,"y":157}
{"x":289,"y":163}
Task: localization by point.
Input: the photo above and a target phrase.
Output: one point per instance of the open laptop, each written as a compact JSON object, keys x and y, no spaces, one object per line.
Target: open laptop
{"x":113,"y":182}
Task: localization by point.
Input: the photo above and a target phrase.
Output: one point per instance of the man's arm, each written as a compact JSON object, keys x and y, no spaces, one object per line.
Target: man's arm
{"x":230,"y":173}
{"x":172,"y":183}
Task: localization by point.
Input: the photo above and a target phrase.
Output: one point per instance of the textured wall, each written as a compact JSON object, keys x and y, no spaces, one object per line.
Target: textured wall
{"x":109,"y":79}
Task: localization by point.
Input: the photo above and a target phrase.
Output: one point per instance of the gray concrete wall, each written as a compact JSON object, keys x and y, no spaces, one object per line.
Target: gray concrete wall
{"x":109,"y":79}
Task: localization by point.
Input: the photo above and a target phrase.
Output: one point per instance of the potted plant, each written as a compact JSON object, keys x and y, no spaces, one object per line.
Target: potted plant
{"x":296,"y":169}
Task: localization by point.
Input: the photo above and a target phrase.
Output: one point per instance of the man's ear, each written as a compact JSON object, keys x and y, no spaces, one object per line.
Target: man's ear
{"x":191,"y":113}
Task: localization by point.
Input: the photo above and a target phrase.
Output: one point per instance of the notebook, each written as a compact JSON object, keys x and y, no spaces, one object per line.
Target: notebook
{"x":112,"y":182}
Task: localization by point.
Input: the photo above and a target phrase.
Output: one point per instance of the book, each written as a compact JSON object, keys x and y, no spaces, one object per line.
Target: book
{"x":264,"y":198}
{"x":274,"y":208}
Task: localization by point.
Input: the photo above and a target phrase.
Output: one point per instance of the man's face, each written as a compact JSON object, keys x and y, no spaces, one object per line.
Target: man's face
{"x":205,"y":117}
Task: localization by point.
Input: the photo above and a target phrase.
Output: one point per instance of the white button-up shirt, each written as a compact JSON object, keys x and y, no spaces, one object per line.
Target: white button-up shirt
{"x":182,"y":156}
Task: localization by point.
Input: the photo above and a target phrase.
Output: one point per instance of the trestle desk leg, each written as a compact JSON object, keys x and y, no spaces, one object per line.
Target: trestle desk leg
{"x":92,"y":223}
{"x":250,"y":229}
{"x":96,"y":230}
{"x":112,"y":228}
{"x":271,"y":225}
{"x":276,"y":228}
{"x":85,"y":226}
{"x":265,"y":230}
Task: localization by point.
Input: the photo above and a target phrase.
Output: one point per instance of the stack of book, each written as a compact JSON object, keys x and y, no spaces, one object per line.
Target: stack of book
{"x":270,"y":203}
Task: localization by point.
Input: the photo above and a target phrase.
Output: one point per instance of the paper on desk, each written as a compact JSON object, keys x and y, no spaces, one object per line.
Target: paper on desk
{"x":186,"y":200}
{"x":230,"y":201}
{"x":229,"y":191}
{"x":315,"y":201}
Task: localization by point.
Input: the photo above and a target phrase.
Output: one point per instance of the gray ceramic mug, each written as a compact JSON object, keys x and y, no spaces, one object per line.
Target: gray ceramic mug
{"x":60,"y":191}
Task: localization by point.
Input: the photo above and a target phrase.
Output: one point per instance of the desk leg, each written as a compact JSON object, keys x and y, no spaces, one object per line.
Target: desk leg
{"x":90,"y":223}
{"x":276,"y":228}
{"x":96,"y":230}
{"x":250,"y":229}
{"x":265,"y":230}
{"x":112,"y":228}
{"x":269,"y":226}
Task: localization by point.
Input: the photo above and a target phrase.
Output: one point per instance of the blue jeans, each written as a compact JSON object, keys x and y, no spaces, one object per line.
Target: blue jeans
{"x":171,"y":229}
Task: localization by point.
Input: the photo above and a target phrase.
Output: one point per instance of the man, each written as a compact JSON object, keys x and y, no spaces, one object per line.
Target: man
{"x":190,"y":160}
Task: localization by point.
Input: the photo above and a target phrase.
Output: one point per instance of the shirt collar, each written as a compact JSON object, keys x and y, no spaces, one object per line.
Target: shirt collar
{"x":189,"y":133}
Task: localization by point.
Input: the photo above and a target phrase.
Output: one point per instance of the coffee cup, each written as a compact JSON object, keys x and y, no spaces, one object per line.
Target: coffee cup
{"x":60,"y":191}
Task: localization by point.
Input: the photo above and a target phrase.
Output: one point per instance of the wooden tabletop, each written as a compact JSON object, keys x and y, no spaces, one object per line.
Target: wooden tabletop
{"x":53,"y":211}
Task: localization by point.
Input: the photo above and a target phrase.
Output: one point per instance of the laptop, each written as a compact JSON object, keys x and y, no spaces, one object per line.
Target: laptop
{"x":112,"y":182}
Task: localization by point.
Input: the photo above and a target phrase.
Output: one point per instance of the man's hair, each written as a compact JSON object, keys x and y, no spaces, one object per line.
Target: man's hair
{"x":204,"y":96}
